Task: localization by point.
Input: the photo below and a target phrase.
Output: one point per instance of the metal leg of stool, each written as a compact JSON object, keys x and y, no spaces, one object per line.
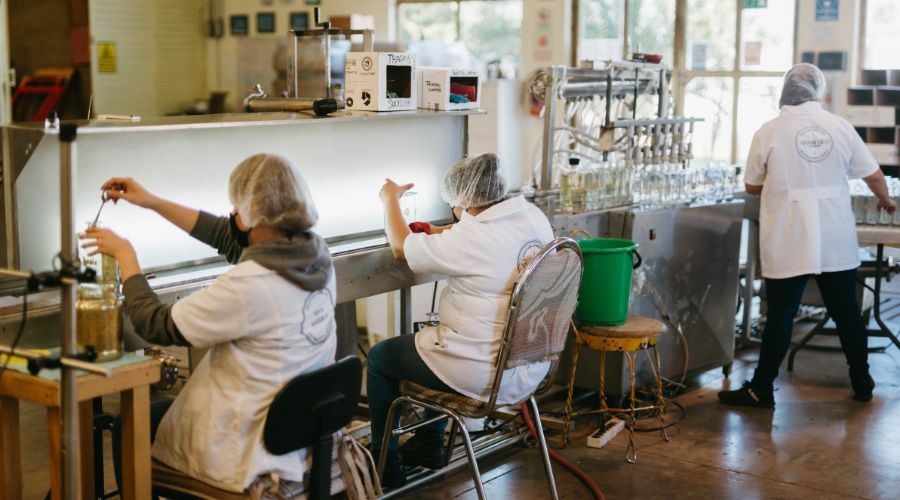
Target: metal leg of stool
{"x":660,"y":399}
{"x":631,"y":452}
{"x":565,"y":436}
{"x":601,"y":392}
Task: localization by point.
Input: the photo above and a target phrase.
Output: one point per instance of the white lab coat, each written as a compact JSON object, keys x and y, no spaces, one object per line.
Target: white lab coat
{"x":481,"y":256}
{"x":262,"y":331}
{"x":803,"y":159}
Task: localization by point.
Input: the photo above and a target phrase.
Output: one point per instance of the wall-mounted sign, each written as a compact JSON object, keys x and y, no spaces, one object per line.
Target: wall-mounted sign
{"x":698,"y":55}
{"x":265,"y":22}
{"x":240,"y":25}
{"x":756,"y":4}
{"x":752,"y":53}
{"x":106,"y":57}
{"x":827,"y":10}
{"x":299,"y":20}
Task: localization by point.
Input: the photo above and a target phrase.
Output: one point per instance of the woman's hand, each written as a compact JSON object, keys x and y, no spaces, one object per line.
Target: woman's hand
{"x":103,"y":241}
{"x":99,"y":240}
{"x":887,"y":205}
{"x":392,"y":191}
{"x":126,"y":188}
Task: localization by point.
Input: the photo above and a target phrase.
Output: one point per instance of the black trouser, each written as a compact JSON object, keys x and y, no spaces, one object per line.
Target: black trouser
{"x":158,"y":410}
{"x":783,"y":300}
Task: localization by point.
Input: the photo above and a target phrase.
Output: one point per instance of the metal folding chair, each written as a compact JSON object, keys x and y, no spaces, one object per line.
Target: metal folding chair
{"x":540,"y":310}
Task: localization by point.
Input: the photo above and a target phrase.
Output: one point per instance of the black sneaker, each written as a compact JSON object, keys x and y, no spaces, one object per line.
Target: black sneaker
{"x":862,"y":388}
{"x":424,"y":449}
{"x":747,"y":395}
{"x":393,"y":475}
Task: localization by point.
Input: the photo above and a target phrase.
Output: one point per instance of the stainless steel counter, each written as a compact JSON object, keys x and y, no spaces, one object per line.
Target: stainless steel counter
{"x":689,"y":273}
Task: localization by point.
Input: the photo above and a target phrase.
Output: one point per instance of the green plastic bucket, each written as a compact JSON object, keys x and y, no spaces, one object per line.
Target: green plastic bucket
{"x":606,"y":282}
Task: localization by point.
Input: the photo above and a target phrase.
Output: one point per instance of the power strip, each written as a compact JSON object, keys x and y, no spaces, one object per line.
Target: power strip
{"x":606,"y":433}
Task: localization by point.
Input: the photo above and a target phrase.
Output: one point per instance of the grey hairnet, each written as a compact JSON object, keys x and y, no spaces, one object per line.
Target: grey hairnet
{"x":802,"y":83}
{"x":474,"y":182}
{"x":269,"y":189}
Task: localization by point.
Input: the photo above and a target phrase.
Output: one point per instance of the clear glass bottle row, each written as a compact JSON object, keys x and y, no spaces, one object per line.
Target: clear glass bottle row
{"x":865,"y":204}
{"x":586,"y":185}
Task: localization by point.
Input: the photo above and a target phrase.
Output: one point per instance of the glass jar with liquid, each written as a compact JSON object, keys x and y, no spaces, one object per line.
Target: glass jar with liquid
{"x":98,"y":311}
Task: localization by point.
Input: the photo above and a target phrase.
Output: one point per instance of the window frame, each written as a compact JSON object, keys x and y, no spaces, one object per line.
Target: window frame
{"x":681,"y":76}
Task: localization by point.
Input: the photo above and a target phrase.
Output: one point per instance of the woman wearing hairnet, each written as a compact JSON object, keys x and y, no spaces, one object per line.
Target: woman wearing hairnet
{"x":799,"y":163}
{"x":481,"y":256}
{"x":265,"y":321}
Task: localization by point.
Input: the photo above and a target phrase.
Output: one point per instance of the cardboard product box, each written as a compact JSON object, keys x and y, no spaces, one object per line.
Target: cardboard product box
{"x":870,"y":116}
{"x":437,"y":84}
{"x":380,"y":81}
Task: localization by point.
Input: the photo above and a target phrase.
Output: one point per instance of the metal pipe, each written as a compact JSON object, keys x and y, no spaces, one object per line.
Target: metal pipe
{"x":405,"y":311}
{"x":550,"y":103}
{"x":68,"y":253}
{"x":75,"y":364}
{"x":264,"y":104}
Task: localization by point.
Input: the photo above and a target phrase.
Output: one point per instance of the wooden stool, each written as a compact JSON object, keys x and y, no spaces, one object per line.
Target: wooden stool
{"x":636,"y":335}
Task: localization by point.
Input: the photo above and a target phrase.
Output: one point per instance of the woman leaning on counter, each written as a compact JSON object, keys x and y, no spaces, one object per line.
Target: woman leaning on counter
{"x":799,"y":163}
{"x":259,"y":338}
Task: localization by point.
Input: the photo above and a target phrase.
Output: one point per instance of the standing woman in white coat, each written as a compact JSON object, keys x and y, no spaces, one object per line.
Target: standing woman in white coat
{"x":799,"y":163}
{"x":481,"y":256}
{"x":265,"y":321}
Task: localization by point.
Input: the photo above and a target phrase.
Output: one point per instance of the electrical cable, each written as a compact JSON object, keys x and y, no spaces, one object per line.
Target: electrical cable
{"x":580,"y":474}
{"x":19,"y":333}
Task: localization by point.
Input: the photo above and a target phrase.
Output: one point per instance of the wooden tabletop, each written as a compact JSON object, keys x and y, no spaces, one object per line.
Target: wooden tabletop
{"x":45,"y":391}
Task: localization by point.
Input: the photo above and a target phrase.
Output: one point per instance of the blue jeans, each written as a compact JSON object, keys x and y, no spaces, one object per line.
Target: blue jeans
{"x":783,"y":300}
{"x":389,"y":362}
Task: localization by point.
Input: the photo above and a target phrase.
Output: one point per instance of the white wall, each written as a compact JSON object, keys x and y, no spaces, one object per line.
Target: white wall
{"x":542,"y":18}
{"x":160,"y":55}
{"x":237,"y":63}
{"x":828,"y":36}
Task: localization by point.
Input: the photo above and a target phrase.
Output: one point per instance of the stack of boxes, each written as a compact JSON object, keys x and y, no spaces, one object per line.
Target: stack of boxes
{"x":874,"y":109}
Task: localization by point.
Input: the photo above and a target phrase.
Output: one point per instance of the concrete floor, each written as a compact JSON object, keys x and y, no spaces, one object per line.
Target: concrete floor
{"x":817,"y":443}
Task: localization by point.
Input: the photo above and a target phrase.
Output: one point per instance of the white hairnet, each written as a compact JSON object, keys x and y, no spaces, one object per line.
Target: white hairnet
{"x":474,"y":182}
{"x":803,"y":82}
{"x":269,"y":189}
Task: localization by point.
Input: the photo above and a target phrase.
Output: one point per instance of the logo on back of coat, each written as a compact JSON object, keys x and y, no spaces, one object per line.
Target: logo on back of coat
{"x":814,"y":144}
{"x":318,"y":316}
{"x":528,"y":251}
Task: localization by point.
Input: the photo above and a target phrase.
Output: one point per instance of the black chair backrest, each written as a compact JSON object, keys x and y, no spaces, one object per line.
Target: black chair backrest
{"x":311,"y":405}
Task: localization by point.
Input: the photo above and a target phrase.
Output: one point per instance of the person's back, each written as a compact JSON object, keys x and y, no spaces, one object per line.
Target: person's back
{"x":800,"y":163}
{"x":806,"y":155}
{"x":262,"y":332}
{"x":482,"y":257}
{"x":265,"y":321}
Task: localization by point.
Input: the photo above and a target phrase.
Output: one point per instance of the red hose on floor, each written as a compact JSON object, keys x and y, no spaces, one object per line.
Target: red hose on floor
{"x":580,"y":474}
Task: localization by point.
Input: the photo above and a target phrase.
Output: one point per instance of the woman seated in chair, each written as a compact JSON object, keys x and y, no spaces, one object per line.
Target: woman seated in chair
{"x":481,"y":256}
{"x":265,"y":321}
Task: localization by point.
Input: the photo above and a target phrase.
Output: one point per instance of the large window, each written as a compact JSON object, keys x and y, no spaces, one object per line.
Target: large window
{"x":882,"y":48}
{"x":604,"y":35}
{"x":491,"y":30}
{"x":735,"y":56}
{"x":735,"y":52}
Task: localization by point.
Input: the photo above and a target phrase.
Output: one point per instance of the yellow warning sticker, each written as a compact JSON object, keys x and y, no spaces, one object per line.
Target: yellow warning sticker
{"x":106,"y":57}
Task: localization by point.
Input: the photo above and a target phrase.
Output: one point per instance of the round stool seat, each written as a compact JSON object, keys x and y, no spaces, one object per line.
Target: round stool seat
{"x":635,"y":327}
